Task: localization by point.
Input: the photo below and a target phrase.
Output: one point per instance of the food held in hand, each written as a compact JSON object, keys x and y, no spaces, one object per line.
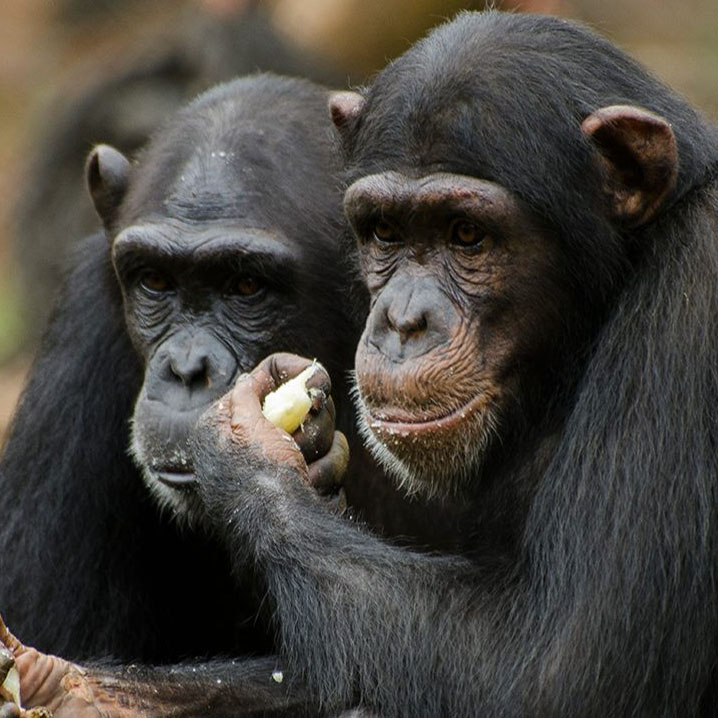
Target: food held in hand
{"x":10,"y":687}
{"x":288,"y":406}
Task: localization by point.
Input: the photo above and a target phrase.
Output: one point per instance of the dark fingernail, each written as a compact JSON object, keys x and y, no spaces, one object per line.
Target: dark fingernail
{"x":318,"y":398}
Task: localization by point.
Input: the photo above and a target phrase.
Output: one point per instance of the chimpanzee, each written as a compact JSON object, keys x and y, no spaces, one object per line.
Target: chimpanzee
{"x":536,"y":220}
{"x":226,"y":239}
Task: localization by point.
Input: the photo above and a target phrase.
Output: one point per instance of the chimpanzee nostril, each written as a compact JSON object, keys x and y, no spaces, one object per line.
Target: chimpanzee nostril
{"x":190,"y":369}
{"x":407,"y":324}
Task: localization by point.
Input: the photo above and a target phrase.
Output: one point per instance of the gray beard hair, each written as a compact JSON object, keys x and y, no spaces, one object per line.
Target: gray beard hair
{"x":169,"y":501}
{"x":436,"y":475}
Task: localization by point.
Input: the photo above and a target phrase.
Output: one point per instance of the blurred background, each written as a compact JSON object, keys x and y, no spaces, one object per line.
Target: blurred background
{"x":77,"y":72}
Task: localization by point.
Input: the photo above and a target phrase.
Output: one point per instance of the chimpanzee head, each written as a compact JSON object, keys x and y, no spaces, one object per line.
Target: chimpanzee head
{"x":502,"y":173}
{"x":226,"y":243}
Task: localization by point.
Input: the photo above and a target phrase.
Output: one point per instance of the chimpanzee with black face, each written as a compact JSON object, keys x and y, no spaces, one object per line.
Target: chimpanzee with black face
{"x":225,"y":239}
{"x":537,"y":222}
{"x":218,"y":247}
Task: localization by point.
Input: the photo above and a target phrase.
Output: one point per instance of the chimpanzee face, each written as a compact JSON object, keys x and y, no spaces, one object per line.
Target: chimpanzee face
{"x":203,"y":303}
{"x":466,"y":307}
{"x":491,"y":228}
{"x":227,"y":243}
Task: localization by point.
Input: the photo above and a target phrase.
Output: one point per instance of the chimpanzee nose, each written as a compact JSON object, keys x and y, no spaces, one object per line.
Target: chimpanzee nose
{"x":408,"y":322}
{"x":411,"y":317}
{"x":190,"y":369}
{"x":198,"y":360}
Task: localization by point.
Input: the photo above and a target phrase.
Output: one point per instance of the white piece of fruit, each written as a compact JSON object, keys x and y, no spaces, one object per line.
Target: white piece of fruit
{"x":10,"y":687}
{"x":287,"y":406}
{"x":277,"y":676}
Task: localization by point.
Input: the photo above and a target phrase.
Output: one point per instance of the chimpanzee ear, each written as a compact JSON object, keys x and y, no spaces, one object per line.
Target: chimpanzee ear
{"x":345,"y":108}
{"x":639,"y":155}
{"x":107,"y":172}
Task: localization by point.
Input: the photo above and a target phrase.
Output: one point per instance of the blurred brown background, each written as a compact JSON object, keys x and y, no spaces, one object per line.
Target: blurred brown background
{"x":77,"y":72}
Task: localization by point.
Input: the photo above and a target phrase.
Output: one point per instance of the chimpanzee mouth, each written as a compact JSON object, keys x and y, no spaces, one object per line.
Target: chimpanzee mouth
{"x":181,"y":480}
{"x":398,"y":422}
{"x":431,"y":451}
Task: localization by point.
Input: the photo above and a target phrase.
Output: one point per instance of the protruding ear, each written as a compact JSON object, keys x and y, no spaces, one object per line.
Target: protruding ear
{"x":345,"y":108}
{"x":108,"y":175}
{"x":639,"y":155}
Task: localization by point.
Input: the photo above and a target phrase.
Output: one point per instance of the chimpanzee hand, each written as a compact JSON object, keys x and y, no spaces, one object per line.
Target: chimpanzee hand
{"x":325,"y":451}
{"x":49,"y":686}
{"x":238,"y":450}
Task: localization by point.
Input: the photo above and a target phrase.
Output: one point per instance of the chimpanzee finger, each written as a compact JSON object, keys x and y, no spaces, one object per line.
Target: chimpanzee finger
{"x":316,"y":434}
{"x":8,"y":707}
{"x":268,"y":375}
{"x":327,"y":473}
{"x":244,"y":399}
{"x":319,"y":386}
{"x":250,"y":390}
{"x":281,"y":367}
{"x":7,"y":661}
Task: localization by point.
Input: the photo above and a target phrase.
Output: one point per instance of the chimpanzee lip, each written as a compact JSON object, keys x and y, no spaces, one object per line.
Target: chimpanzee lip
{"x":403,"y":422}
{"x":181,"y":480}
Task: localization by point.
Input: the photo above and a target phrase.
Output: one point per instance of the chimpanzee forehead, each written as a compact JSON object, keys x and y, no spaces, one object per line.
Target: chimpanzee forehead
{"x":465,"y":112}
{"x":502,"y":96}
{"x":258,"y":147}
{"x":220,"y":181}
{"x":393,"y":191}
{"x":250,"y":175}
{"x":481,"y":135}
{"x":204,"y":241}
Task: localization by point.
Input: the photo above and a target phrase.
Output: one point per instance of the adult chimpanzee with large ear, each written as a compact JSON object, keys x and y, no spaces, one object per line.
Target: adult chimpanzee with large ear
{"x":225,"y":241}
{"x":537,"y":221}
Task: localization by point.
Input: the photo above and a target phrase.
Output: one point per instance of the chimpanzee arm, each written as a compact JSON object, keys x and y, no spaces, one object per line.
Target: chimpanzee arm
{"x":237,"y":689}
{"x":360,"y":619}
{"x":242,"y":688}
{"x":65,"y":470}
{"x":406,"y":634}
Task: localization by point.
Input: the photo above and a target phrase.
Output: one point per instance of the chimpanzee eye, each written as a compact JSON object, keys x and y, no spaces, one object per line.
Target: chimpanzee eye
{"x":246,"y":286}
{"x":383,"y":231}
{"x":154,"y":282}
{"x":466,"y":234}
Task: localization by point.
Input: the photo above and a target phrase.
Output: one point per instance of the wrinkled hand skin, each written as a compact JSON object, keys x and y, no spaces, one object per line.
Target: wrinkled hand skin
{"x":234,"y":439}
{"x":48,"y":685}
{"x":51,"y":687}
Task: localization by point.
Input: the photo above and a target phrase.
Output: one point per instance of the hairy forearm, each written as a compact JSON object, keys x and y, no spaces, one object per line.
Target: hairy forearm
{"x":246,"y":688}
{"x":359,"y":620}
{"x":355,"y":631}
{"x":357,"y":616}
